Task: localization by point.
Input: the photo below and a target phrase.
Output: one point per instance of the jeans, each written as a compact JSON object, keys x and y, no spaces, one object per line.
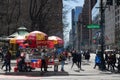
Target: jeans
{"x":62,"y":65}
{"x":8,"y":66}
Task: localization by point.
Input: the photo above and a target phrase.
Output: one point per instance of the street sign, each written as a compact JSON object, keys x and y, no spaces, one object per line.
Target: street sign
{"x":93,"y":26}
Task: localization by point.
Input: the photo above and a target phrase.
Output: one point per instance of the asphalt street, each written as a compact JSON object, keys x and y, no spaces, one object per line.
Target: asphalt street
{"x":87,"y":73}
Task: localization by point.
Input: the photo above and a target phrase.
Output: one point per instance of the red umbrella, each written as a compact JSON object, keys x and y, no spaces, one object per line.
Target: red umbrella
{"x":37,"y":38}
{"x":37,"y":35}
{"x":56,"y":39}
{"x":17,"y":40}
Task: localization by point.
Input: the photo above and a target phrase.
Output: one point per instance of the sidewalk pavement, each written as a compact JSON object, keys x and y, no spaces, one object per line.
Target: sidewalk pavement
{"x":87,"y":67}
{"x":87,"y":72}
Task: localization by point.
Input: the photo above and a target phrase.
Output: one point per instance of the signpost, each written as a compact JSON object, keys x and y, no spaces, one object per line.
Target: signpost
{"x":93,"y":26}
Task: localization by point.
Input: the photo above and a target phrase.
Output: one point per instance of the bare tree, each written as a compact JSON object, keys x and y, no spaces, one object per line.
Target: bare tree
{"x":66,"y":10}
{"x":39,"y":9}
{"x":12,"y":13}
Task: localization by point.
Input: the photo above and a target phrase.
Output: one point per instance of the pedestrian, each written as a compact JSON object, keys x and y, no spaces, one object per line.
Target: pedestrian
{"x":69,"y":56}
{"x":1,"y":54}
{"x":113,"y":61}
{"x":74,"y":58}
{"x":18,"y":53}
{"x":5,"y":61}
{"x":118,"y":66}
{"x":43,"y":60}
{"x":8,"y":61}
{"x":97,"y":61}
{"x":21,"y":62}
{"x":87,"y":55}
{"x":110,"y":61}
{"x":62,"y":59}
{"x":79,"y":59}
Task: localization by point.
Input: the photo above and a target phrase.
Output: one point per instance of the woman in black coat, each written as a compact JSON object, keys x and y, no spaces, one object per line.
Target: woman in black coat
{"x":79,"y":59}
{"x":74,"y":58}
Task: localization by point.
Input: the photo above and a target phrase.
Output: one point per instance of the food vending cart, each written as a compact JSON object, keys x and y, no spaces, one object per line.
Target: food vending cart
{"x":37,"y":41}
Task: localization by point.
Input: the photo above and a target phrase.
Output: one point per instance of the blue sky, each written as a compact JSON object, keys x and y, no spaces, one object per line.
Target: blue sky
{"x":71,"y":4}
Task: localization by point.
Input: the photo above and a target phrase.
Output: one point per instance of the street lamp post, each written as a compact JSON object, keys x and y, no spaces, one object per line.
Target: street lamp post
{"x":102,"y":36}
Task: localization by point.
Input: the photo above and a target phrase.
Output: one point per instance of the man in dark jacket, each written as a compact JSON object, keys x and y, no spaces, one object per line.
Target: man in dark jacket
{"x":79,"y":58}
{"x":21,"y":63}
{"x":8,"y":61}
{"x":74,"y":58}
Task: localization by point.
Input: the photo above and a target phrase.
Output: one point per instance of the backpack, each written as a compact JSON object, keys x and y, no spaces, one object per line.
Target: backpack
{"x":62,"y":57}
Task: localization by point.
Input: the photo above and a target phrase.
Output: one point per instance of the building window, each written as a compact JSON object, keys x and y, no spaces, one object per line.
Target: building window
{"x":115,"y":19}
{"x":118,"y":25}
{"x":115,"y":6}
{"x":115,"y":13}
{"x":118,"y":18}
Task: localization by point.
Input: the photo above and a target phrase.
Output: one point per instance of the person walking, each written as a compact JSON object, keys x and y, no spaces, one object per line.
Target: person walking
{"x":87,"y":55}
{"x":8,"y":61}
{"x":1,"y":54}
{"x":5,"y":61}
{"x":79,"y":59}
{"x":97,"y":61}
{"x":118,"y":66}
{"x":74,"y":58}
{"x":62,"y":59}
{"x":69,"y":56}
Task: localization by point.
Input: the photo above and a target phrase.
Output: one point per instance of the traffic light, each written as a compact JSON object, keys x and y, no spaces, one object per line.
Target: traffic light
{"x":117,"y":2}
{"x":110,"y":2}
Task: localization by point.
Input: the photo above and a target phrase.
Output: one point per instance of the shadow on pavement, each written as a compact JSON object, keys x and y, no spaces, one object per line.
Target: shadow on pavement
{"x":37,"y":73}
{"x":85,"y":63}
{"x":109,"y":72}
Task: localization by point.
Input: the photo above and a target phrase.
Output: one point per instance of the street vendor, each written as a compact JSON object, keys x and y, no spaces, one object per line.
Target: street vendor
{"x":21,"y":62}
{"x":43,"y":59}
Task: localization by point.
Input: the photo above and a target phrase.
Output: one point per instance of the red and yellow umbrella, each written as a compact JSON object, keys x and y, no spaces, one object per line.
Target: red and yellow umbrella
{"x":17,"y":40}
{"x":56,"y":39}
{"x":37,"y":35}
{"x":37,"y":38}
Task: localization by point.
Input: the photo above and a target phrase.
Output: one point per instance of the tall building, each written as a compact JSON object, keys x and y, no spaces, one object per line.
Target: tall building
{"x":117,"y":25}
{"x":70,"y":39}
{"x":33,"y":14}
{"x":75,"y":15}
{"x":85,"y":19}
{"x":73,"y":29}
{"x":110,"y":26}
